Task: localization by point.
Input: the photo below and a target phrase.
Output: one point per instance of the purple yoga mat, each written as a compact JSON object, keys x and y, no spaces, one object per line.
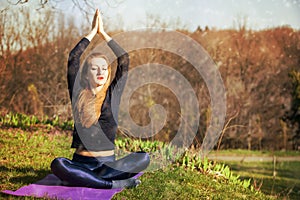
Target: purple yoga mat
{"x":50,"y":187}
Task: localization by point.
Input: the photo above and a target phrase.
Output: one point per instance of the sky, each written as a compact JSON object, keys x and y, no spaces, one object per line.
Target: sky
{"x":189,"y":14}
{"x":221,"y":14}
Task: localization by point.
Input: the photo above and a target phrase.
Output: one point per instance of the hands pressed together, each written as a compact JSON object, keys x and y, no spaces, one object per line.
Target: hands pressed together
{"x":97,"y":26}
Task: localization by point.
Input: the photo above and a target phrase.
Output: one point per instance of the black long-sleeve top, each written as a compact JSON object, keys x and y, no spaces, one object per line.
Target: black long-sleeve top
{"x":99,"y":136}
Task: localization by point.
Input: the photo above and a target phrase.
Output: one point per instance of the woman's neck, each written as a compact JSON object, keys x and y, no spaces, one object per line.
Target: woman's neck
{"x":97,"y":89}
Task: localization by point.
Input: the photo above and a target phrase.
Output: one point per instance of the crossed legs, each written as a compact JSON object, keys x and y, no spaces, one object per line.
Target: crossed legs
{"x":104,"y":172}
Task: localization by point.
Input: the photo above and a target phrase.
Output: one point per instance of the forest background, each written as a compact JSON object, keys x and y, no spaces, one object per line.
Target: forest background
{"x":260,"y":70}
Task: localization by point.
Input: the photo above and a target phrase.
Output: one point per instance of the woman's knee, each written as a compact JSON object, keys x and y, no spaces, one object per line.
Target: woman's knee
{"x":142,"y":157}
{"x":58,"y":165}
{"x":139,"y":160}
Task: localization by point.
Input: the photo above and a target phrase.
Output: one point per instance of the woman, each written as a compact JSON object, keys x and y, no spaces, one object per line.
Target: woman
{"x":95,"y":109}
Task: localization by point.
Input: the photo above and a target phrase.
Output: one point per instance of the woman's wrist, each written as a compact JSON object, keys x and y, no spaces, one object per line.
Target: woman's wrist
{"x":91,"y":34}
{"x":105,"y":36}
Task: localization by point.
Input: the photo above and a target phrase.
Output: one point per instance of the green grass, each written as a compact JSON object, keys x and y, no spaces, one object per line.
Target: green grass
{"x":175,"y":183}
{"x":244,"y":152}
{"x":25,"y":158}
{"x":32,"y":122}
{"x":281,"y":180}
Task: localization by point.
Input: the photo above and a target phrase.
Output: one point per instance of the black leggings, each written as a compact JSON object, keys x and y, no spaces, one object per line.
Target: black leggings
{"x":83,"y":171}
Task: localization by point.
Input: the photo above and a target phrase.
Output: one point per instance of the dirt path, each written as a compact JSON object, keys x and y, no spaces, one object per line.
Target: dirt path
{"x":249,"y":158}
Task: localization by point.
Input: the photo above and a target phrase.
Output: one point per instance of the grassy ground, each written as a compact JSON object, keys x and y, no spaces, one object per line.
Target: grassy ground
{"x":25,"y":157}
{"x":281,"y":179}
{"x":275,"y":177}
{"x":185,"y":184}
{"x":244,"y":152}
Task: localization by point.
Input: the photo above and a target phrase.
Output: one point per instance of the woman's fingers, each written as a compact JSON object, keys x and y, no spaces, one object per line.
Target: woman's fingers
{"x":100,"y":24}
{"x":95,"y":19}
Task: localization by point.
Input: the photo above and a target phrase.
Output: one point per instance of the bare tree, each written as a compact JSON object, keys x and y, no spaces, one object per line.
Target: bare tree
{"x":85,"y":6}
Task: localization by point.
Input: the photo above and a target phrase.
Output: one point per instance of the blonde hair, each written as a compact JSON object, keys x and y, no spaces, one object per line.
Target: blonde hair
{"x":88,"y":105}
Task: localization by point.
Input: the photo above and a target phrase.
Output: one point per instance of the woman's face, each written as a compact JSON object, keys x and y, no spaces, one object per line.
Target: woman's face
{"x":98,"y":72}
